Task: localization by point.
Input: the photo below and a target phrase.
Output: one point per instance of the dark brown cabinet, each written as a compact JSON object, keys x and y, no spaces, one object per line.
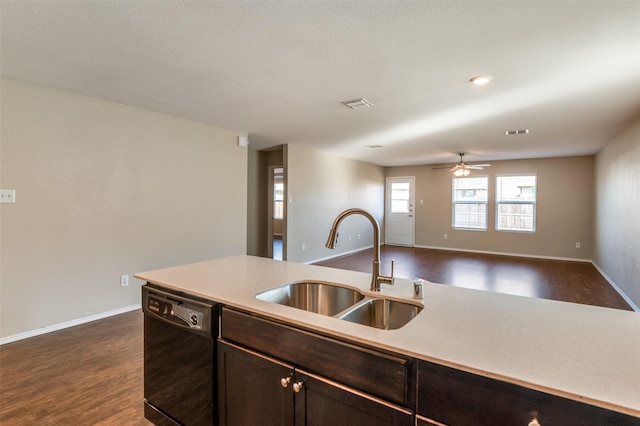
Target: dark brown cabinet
{"x":453,"y":397}
{"x":324,"y":402}
{"x":250,"y":391}
{"x":270,"y":373}
{"x":257,"y":389}
{"x":273,"y":373}
{"x":385,"y":375}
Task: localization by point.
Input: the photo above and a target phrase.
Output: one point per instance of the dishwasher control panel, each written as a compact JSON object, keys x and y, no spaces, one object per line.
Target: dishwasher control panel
{"x":177,"y":310}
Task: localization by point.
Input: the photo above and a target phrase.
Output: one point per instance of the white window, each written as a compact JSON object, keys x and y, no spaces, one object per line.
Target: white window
{"x":470,"y":203}
{"x":516,"y":203}
{"x":278,"y":194}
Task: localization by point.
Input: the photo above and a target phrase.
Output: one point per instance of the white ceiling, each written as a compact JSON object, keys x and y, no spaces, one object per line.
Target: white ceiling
{"x":568,"y":71}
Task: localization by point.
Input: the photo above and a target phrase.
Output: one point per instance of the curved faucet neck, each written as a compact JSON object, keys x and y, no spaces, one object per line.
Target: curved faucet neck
{"x":333,"y":234}
{"x":376,"y":278}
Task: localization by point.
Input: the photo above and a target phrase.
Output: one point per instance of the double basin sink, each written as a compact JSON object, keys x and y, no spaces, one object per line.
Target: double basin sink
{"x":344,"y":303}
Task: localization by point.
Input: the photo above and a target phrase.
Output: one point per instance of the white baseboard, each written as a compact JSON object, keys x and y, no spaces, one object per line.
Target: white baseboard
{"x":609,"y":280}
{"x":533,"y":256}
{"x":569,"y":259}
{"x":460,"y":250}
{"x":61,"y":326}
{"x":338,"y":255}
{"x":616,"y":288}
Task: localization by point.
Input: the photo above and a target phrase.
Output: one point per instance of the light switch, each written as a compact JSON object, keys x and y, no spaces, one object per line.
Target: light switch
{"x":7,"y":195}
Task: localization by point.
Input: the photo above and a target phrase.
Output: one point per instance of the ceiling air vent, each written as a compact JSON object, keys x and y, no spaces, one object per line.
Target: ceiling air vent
{"x":357,"y":103}
{"x":517,"y":132}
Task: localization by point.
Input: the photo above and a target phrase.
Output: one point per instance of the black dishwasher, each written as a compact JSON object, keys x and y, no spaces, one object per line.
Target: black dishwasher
{"x":180,"y":334}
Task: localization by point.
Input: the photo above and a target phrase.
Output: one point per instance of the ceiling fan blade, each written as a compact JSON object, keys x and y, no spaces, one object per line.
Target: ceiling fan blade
{"x":463,"y":165}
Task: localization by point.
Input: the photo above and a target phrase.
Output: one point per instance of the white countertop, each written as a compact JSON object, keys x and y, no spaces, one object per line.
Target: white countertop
{"x":581,"y":352}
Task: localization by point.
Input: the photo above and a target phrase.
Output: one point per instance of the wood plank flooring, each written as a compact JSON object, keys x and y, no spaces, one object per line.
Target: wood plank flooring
{"x":577,"y":282}
{"x":92,"y":374}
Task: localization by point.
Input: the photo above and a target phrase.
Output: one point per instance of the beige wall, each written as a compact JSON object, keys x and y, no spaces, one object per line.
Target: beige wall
{"x":319,"y":187}
{"x":617,"y":217}
{"x":564,"y":209}
{"x":103,"y":190}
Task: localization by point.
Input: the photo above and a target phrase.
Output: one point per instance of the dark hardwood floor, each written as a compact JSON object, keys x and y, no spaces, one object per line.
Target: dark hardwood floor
{"x":92,"y":374}
{"x":577,"y":282}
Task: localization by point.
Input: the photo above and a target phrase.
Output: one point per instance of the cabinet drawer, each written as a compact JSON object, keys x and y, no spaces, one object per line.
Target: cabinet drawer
{"x":380,"y":374}
{"x":456,"y":397}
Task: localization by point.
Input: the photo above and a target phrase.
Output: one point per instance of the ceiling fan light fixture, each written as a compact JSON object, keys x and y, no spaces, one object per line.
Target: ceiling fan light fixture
{"x":461,"y":172}
{"x":462,"y":169}
{"x":480,"y":80}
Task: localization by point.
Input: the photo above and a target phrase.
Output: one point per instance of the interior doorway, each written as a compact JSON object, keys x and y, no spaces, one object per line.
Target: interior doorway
{"x":276,"y":212}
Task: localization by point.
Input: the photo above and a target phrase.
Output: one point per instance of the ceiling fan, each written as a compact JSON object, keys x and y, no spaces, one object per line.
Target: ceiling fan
{"x":463,"y":169}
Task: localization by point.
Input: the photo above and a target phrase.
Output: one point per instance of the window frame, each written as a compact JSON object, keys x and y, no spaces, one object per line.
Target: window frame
{"x":278,"y":197}
{"x":533,"y":203}
{"x":454,"y":203}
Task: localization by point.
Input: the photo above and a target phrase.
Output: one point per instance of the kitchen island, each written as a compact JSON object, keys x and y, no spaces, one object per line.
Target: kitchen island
{"x":575,"y":352}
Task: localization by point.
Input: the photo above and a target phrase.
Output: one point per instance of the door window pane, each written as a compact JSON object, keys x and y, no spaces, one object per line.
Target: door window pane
{"x":400,"y":194}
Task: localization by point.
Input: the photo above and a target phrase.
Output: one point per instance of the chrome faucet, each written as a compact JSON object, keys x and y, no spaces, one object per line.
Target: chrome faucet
{"x":376,"y":278}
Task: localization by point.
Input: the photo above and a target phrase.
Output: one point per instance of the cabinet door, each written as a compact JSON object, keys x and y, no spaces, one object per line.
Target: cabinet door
{"x":459,"y":398}
{"x":250,"y":391}
{"x":321,"y":402}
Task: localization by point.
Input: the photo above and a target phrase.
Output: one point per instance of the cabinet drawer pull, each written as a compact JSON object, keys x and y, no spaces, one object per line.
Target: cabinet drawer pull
{"x":297,"y":387}
{"x":285,"y":381}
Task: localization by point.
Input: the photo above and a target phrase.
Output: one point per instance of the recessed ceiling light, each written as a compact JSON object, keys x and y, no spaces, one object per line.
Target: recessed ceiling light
{"x":357,"y":103}
{"x":479,"y":80}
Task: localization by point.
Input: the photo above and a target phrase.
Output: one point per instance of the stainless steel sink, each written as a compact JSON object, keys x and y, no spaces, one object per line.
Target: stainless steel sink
{"x":386,"y":314}
{"x":313,"y":296}
{"x":344,"y":303}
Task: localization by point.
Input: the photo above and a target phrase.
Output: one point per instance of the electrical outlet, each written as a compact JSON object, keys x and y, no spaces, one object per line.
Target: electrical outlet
{"x":358,"y":236}
{"x":577,"y":245}
{"x":349,"y":238}
{"x":446,"y":236}
{"x":124,"y":280}
{"x":7,"y":195}
{"x":304,"y":247}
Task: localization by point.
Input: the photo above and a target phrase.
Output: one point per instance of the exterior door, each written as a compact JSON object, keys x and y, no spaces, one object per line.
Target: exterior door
{"x":399,"y":223}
